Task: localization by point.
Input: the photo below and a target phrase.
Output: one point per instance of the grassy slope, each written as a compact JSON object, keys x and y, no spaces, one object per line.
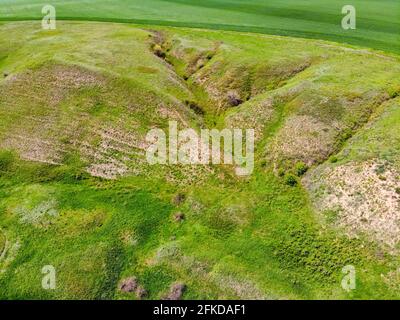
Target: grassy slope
{"x":240,"y":239}
{"x":378,"y":23}
{"x":368,"y":167}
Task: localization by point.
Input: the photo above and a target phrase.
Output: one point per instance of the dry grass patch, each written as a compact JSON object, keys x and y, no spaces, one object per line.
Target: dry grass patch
{"x":33,"y":122}
{"x":363,"y":196}
{"x":303,"y":138}
{"x":242,"y":289}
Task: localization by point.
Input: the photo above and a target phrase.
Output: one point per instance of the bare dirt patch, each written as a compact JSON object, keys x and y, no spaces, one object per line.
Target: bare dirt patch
{"x":33,"y":121}
{"x":255,"y":116}
{"x":303,"y":138}
{"x":176,"y":292}
{"x":130,"y":285}
{"x":242,"y":288}
{"x":362,"y":197}
{"x":116,"y":149}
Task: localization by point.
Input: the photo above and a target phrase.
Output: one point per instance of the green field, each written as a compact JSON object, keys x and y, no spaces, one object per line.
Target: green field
{"x":77,"y":193}
{"x":378,"y":21}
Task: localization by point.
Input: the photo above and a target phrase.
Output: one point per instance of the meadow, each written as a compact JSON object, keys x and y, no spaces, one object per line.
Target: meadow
{"x":77,"y":193}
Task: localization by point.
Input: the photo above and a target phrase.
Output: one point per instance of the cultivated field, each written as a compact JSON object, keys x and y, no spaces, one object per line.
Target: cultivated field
{"x":378,"y":21}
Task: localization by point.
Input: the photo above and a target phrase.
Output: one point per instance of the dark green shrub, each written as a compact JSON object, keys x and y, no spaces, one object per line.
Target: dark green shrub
{"x":290,"y":180}
{"x":158,"y":51}
{"x":333,"y":159}
{"x":394,"y":92}
{"x":281,"y":172}
{"x":346,"y":135}
{"x":300,"y":168}
{"x":6,"y":160}
{"x":195,"y":107}
{"x":263,"y":163}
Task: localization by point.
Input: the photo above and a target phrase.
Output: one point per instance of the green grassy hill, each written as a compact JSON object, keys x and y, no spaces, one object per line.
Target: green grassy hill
{"x":77,"y":193}
{"x":378,"y":21}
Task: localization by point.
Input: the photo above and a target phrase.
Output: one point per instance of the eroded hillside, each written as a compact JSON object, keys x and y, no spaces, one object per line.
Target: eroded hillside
{"x":76,"y":105}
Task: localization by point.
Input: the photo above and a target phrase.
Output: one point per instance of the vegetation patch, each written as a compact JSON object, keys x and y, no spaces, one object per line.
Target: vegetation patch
{"x":365,"y":198}
{"x":73,"y":123}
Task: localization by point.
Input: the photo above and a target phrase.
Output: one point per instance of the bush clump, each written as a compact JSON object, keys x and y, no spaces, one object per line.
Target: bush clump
{"x":333,"y":159}
{"x":281,"y":172}
{"x":158,"y":51}
{"x":300,"y":168}
{"x":290,"y":179}
{"x":7,"y":158}
{"x":195,"y":107}
{"x":318,"y":257}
